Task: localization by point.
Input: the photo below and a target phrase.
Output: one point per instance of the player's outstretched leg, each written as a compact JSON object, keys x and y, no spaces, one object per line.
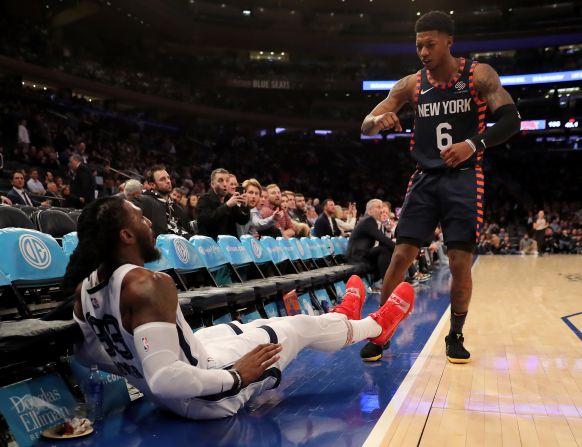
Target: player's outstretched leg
{"x":396,"y":308}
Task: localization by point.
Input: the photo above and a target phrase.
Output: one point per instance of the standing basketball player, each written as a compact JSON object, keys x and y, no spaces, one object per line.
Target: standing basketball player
{"x":450,"y":97}
{"x":133,"y":326}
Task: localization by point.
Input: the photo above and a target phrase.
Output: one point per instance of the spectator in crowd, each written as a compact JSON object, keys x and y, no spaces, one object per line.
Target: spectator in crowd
{"x":132,"y":189}
{"x":325,"y":225}
{"x":232,"y":184}
{"x":301,"y":230}
{"x":34,"y":185}
{"x":23,"y":136}
{"x":18,"y":195}
{"x":219,"y":211}
{"x":48,"y":177}
{"x":565,"y":242}
{"x":291,"y":205}
{"x":368,"y":244}
{"x":109,"y":188}
{"x":256,"y":223}
{"x":506,"y":247}
{"x":283,"y":226}
{"x":177,"y":194}
{"x":166,"y":216}
{"x":528,"y":246}
{"x":83,"y":183}
{"x":539,"y":226}
{"x":191,"y":207}
{"x":311,"y":215}
{"x":301,"y":210}
{"x":437,"y":247}
{"x":345,"y":218}
{"x":53,"y":191}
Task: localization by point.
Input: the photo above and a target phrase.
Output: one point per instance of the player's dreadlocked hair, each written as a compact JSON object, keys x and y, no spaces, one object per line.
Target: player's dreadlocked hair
{"x":435,"y":21}
{"x":98,"y":232}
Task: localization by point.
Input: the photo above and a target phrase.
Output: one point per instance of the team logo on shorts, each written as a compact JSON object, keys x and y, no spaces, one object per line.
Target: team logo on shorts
{"x":145,"y":343}
{"x":34,"y":251}
{"x":460,"y":85}
{"x":181,"y":250}
{"x":257,"y":249}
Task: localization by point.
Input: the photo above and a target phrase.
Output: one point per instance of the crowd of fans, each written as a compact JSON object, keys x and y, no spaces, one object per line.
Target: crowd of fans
{"x":205,"y":79}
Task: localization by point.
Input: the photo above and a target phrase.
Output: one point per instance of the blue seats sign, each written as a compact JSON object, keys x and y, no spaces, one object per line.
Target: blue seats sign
{"x":32,"y":406}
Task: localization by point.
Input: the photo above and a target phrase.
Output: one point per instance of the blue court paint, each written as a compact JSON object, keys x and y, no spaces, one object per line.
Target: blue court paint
{"x":572,"y":326}
{"x":323,"y":400}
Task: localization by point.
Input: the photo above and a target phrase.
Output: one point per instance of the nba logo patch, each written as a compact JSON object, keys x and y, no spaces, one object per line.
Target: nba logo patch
{"x":146,"y":345}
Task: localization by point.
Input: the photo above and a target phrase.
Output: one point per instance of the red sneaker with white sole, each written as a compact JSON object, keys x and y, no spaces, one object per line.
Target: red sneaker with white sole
{"x":353,"y":300}
{"x":396,"y":308}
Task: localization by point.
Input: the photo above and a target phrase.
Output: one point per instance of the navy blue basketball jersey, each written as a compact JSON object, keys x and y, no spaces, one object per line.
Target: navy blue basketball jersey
{"x":445,"y":114}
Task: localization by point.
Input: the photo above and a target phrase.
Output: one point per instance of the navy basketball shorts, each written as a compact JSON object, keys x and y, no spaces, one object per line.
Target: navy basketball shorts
{"x":451,"y":197}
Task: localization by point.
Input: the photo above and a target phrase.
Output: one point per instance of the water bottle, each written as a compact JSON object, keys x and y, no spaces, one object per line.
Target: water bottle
{"x":94,"y":395}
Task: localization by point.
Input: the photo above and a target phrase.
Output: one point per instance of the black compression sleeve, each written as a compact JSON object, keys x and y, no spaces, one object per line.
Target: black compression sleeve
{"x":507,"y":123}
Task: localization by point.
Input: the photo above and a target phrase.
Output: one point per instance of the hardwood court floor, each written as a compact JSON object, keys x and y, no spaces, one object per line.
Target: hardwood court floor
{"x":524,"y":386}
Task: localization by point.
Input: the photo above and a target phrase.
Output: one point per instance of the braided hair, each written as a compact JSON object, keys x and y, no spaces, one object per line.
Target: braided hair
{"x":98,"y":232}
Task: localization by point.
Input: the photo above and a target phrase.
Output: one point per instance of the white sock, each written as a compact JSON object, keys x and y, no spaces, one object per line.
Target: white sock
{"x":363,"y":329}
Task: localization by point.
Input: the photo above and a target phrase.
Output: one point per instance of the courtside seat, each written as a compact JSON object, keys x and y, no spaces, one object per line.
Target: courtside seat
{"x":54,"y":222}
{"x":69,"y":243}
{"x":29,"y":209}
{"x":338,"y":249}
{"x":33,"y":343}
{"x":245,"y":267}
{"x":263,"y":260}
{"x":319,"y":277}
{"x":12,"y":217}
{"x":321,"y":254}
{"x":35,"y":264}
{"x":180,"y":260}
{"x":222,"y":271}
{"x":74,"y":215}
{"x":284,"y":264}
{"x":290,"y":247}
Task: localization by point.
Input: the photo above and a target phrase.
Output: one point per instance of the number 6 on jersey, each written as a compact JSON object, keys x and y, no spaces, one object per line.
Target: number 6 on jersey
{"x":443,"y":138}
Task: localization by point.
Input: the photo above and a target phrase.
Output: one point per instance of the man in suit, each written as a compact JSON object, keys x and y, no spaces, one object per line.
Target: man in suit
{"x":83,"y":184}
{"x":368,"y":243}
{"x":219,"y":210}
{"x":325,"y":225}
{"x":167,"y":216}
{"x":18,"y":195}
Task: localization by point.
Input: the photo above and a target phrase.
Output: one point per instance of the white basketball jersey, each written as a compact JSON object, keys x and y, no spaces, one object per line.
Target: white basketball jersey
{"x":100,"y":303}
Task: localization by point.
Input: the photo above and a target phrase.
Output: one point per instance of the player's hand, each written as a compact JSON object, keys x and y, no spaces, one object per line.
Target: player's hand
{"x":253,"y":364}
{"x":388,"y":121}
{"x":456,"y":154}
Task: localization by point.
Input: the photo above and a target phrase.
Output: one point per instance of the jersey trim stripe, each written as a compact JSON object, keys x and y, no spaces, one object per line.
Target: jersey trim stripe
{"x":235,"y":328}
{"x":480,"y":188}
{"x":272,"y":334}
{"x":415,"y":104}
{"x":186,"y":347}
{"x":453,"y":80}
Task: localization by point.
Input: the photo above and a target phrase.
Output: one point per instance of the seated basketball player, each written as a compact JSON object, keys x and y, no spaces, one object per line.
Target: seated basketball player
{"x":133,"y":326}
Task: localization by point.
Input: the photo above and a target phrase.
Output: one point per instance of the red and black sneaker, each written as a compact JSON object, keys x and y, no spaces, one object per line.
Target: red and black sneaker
{"x":353,"y":300}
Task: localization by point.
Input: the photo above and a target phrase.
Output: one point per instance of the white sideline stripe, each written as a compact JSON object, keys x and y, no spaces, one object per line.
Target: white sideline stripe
{"x":382,"y":427}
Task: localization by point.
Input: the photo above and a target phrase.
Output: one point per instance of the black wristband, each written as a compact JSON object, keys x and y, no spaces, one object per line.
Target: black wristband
{"x":237,"y":385}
